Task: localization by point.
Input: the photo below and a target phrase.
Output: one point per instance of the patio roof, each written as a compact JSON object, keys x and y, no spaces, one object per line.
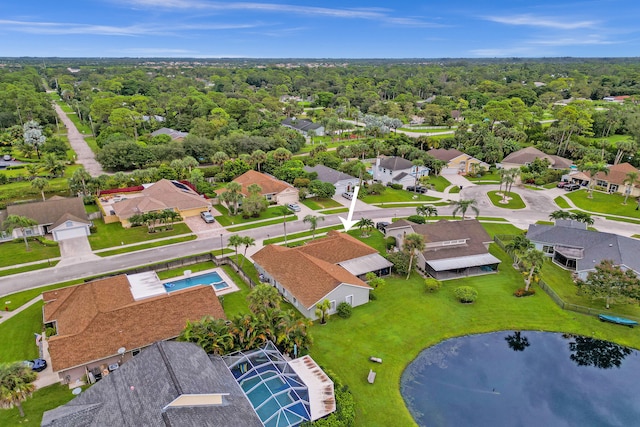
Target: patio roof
{"x":365,"y":264}
{"x":321,"y":392}
{"x":463,"y":262}
{"x":145,"y":285}
{"x":569,"y":252}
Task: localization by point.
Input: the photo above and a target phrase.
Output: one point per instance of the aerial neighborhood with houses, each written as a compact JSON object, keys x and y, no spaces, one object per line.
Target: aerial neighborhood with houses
{"x":232,"y":257}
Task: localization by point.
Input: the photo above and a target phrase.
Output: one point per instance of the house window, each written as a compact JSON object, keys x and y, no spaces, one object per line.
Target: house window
{"x":547,"y":249}
{"x":68,"y":224}
{"x":601,"y":183}
{"x":333,"y":306}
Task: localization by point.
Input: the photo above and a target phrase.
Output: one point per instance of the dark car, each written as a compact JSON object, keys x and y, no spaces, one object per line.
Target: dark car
{"x":382,"y":225}
{"x":571,"y":187}
{"x":418,"y":189}
{"x":207,"y":217}
{"x":36,"y":365}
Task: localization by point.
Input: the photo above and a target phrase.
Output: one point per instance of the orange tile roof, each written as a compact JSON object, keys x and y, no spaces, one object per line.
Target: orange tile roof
{"x":617,"y":173}
{"x":306,"y":277}
{"x":268,"y":184}
{"x":337,"y":247}
{"x":95,"y":319}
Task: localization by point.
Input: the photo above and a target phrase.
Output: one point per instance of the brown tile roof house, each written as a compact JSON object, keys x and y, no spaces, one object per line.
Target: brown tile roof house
{"x":527,"y":155}
{"x":161,"y":195}
{"x":95,"y":319}
{"x":617,"y":173}
{"x":456,"y":160}
{"x":54,"y":212}
{"x":272,"y":188}
{"x":452,"y":248}
{"x":445,"y":154}
{"x":323,"y":269}
{"x":613,"y":182}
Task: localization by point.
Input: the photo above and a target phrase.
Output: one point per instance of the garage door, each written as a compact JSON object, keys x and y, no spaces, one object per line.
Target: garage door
{"x":283,"y":199}
{"x":450,"y":171}
{"x":69,"y":233}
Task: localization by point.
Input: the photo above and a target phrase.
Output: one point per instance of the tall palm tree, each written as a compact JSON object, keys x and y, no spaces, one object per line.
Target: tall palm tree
{"x":258,"y":157}
{"x":235,"y":241}
{"x":322,"y":309}
{"x":16,"y":385}
{"x":284,"y":211}
{"x":461,"y":206}
{"x":592,"y":169}
{"x":413,"y":242}
{"x":531,"y":260}
{"x":365,"y":225}
{"x":518,"y":246}
{"x":219,"y":157}
{"x":560,"y":214}
{"x":582,"y":217}
{"x":40,"y":184}
{"x":281,"y":155}
{"x":263,"y":297}
{"x":631,"y":179}
{"x":313,"y":223}
{"x":247,"y":241}
{"x":20,"y":222}
{"x":427,"y":211}
{"x":232,"y":196}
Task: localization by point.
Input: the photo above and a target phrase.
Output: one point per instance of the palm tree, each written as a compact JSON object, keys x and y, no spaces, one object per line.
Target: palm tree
{"x":16,"y":385}
{"x":560,"y":214}
{"x":582,"y":217}
{"x":281,"y":155}
{"x":413,"y":242}
{"x":40,"y":184}
{"x":213,"y":335}
{"x":463,"y":205}
{"x":20,"y":222}
{"x":218,"y":158}
{"x":232,"y":196}
{"x":531,"y":260}
{"x":592,"y":169}
{"x":365,"y":225}
{"x":518,"y":246}
{"x":247,"y":241}
{"x":322,"y":309}
{"x":263,"y":297}
{"x":284,"y":211}
{"x":502,"y":173}
{"x":427,"y":211}
{"x":258,"y":157}
{"x":313,"y":223}
{"x":630,"y":180}
{"x":234,"y":241}
{"x":52,"y":165}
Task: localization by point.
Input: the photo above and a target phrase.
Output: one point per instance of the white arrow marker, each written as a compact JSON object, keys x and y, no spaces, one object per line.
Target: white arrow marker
{"x":349,"y":222}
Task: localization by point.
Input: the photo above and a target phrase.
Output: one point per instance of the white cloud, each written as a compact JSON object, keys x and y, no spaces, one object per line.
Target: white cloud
{"x":566,"y":23}
{"x":568,"y":41}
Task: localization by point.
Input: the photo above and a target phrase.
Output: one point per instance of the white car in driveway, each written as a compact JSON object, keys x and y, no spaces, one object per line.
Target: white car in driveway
{"x":294,"y":207}
{"x":207,"y":217}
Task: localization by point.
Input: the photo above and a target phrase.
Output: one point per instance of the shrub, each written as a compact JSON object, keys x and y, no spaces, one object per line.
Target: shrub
{"x":417,"y":219}
{"x":400,"y":261}
{"x":344,"y":310}
{"x":374,"y":280}
{"x":466,"y":294}
{"x":3,"y":178}
{"x":46,"y":242}
{"x":521,"y":292}
{"x":395,"y":186}
{"x":390,"y":242}
{"x":432,"y":285}
{"x":372,"y":296}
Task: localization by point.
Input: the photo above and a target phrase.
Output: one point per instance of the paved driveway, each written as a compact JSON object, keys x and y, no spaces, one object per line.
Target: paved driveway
{"x":76,"y":250}
{"x":202,"y":229}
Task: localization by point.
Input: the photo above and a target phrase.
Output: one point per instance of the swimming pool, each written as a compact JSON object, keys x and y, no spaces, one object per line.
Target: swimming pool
{"x":210,"y":278}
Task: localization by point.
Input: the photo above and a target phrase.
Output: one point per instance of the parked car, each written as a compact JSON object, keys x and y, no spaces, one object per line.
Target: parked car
{"x":347,"y":195}
{"x":382,"y":225}
{"x":36,"y":365}
{"x":571,"y":187}
{"x":294,"y":207}
{"x":6,"y":158}
{"x":561,"y":184}
{"x":418,"y":189}
{"x":207,"y":217}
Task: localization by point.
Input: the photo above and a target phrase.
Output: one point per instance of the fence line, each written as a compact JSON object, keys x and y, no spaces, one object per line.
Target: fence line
{"x":549,"y":290}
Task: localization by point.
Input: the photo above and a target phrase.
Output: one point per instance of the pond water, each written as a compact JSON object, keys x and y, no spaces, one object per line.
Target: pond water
{"x":524,"y":379}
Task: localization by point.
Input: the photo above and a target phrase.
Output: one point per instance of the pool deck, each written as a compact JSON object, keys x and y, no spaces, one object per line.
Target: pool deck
{"x":232,"y":286}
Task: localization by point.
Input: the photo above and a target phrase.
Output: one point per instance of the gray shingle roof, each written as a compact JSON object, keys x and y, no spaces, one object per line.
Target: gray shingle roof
{"x":326,"y":174}
{"x":301,"y":124}
{"x":136,"y":394}
{"x":597,"y":246}
{"x":51,"y":211}
{"x":395,"y":163}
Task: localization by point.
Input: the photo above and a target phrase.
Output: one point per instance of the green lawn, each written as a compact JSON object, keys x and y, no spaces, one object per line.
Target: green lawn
{"x":404,"y":320}
{"x":15,"y":252}
{"x":17,"y":334}
{"x":42,"y":400}
{"x":32,"y":267}
{"x":438,"y":183}
{"x":605,"y":203}
{"x":235,"y":303}
{"x":391,"y":195}
{"x":375,"y":239}
{"x":487,"y":178}
{"x":334,"y":211}
{"x":226,"y":220}
{"x":91,"y":142}
{"x":317,"y":204}
{"x":562,"y":203}
{"x":112,"y":235}
{"x":147,"y":246}
{"x":515,"y":202}
{"x":261,"y":224}
{"x":494,"y":228}
{"x":22,"y":190}
{"x":293,"y":236}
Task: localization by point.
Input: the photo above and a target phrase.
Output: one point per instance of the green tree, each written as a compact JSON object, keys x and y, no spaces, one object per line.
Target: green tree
{"x":630,"y":180}
{"x":531,"y":261}
{"x":16,"y":385}
{"x":463,"y":205}
{"x":79,"y":181}
{"x":281,"y":155}
{"x":258,"y":157}
{"x":312,"y":220}
{"x":611,"y":283}
{"x":413,"y":243}
{"x":247,"y":241}
{"x":20,"y":222}
{"x":33,"y":136}
{"x":232,"y":196}
{"x":235,"y":241}
{"x":427,"y":211}
{"x":40,"y":184}
{"x":365,"y":225}
{"x":518,"y":246}
{"x":284,"y":211}
{"x":322,"y":309}
{"x":213,"y":335}
{"x":582,"y":217}
{"x":560,"y":214}
{"x":322,"y":190}
{"x":51,"y":164}
{"x":263,"y":298}
{"x":592,"y":169}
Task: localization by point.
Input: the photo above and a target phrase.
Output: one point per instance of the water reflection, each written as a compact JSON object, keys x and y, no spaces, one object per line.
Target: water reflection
{"x":517,"y":341}
{"x":600,"y":354}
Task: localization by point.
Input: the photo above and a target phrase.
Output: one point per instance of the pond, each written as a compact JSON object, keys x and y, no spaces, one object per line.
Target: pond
{"x":524,"y":379}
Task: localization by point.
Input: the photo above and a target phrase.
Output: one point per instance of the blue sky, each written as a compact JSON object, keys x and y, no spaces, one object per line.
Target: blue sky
{"x":319,"y":29}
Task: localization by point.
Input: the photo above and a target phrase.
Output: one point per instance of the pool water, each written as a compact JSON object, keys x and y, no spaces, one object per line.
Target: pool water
{"x":211,"y":278}
{"x":262,"y":391}
{"x":524,"y":379}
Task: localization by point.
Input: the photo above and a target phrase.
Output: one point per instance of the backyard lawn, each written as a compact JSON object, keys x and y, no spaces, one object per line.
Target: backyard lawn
{"x":317,"y":204}
{"x":15,"y":252}
{"x":514,"y":203}
{"x":42,"y":400}
{"x":114,"y":234}
{"x":405,"y":319}
{"x":17,"y":337}
{"x":391,"y":195}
